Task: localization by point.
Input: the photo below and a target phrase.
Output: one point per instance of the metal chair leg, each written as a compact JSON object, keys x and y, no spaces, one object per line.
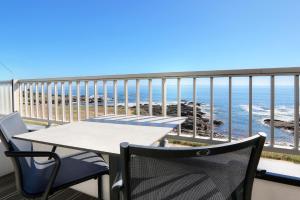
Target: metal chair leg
{"x":100,"y":197}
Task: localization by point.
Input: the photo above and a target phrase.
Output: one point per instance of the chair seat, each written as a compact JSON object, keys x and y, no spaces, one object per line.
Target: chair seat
{"x":73,"y":170}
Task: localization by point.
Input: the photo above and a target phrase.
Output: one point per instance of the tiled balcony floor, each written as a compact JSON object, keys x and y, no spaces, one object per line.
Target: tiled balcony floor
{"x":8,"y":191}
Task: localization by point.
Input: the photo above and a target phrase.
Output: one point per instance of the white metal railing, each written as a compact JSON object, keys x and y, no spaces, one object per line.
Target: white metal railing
{"x":36,"y":106}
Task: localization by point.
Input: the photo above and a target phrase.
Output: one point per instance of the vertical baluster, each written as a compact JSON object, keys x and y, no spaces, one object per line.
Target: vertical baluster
{"x":179,"y":103}
{"x":63,"y":101}
{"x":12,"y":95}
{"x":296,"y":112}
{"x":115,"y":97}
{"x":70,"y":101}
{"x":26,"y":98}
{"x":37,"y":100}
{"x":21,"y":98}
{"x":126,"y":96}
{"x":43,"y":100}
{"x":250,"y":105}
{"x":105,"y":97}
{"x":164,"y":97}
{"x":96,"y":97}
{"x":194,"y":107}
{"x":87,"y":99}
{"x":212,"y":107}
{"x":56,"y":101}
{"x":230,"y":109}
{"x":137,"y":97}
{"x":49,"y":91}
{"x":2,"y":99}
{"x":5,"y":101}
{"x":150,"y":97}
{"x":31,"y":100}
{"x":78,"y":101}
{"x":272,"y":109}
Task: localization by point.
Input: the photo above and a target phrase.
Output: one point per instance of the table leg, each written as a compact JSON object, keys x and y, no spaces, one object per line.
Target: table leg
{"x":163,"y":142}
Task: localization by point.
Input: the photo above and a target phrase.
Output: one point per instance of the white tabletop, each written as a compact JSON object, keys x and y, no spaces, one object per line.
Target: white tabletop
{"x":104,"y":134}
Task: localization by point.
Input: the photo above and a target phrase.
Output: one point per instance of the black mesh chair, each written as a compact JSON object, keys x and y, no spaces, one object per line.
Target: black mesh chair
{"x":219,"y":172}
{"x":41,"y":179}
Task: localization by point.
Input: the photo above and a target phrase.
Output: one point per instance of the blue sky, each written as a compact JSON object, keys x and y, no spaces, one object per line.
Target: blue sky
{"x":94,"y":37}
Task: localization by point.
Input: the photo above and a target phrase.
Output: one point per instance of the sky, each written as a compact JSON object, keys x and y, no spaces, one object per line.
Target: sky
{"x":53,"y":38}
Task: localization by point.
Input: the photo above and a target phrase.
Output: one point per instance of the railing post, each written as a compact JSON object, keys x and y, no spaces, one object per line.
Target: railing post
{"x":70,"y":102}
{"x":150,"y":97}
{"x":43,"y":100}
{"x":230,"y":110}
{"x":250,"y":105}
{"x":21,"y":99}
{"x":63,"y":101}
{"x":212,"y":107}
{"x":78,"y":101}
{"x":296,"y":112}
{"x":56,"y":100}
{"x":49,"y":91}
{"x":2,"y":97}
{"x":179,"y":103}
{"x":26,"y":99}
{"x":31,"y":100}
{"x":105,"y":97}
{"x":164,"y":97}
{"x":272,"y":139}
{"x":126,"y":96}
{"x":194,"y":107}
{"x":37,"y":100}
{"x":137,"y":97}
{"x":87,"y":100}
{"x":15,"y":96}
{"x":96,"y":97}
{"x":115,"y":97}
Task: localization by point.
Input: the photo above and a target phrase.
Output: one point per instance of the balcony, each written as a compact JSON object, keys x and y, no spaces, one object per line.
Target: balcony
{"x":220,"y":106}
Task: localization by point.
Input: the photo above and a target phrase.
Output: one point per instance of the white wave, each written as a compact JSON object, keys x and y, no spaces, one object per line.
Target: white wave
{"x":282,"y":112}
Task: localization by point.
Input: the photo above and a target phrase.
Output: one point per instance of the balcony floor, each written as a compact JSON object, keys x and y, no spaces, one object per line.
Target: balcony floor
{"x":8,"y":191}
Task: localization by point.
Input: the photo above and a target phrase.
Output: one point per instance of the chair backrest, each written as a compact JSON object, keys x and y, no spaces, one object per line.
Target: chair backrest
{"x":11,"y":125}
{"x":219,"y":172}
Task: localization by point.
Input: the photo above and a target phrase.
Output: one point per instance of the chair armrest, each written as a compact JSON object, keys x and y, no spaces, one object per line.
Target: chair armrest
{"x":118,"y":184}
{"x":53,"y":155}
{"x":33,"y":154}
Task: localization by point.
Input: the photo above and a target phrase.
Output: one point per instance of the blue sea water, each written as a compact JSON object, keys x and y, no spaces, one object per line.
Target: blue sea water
{"x":284,"y":105}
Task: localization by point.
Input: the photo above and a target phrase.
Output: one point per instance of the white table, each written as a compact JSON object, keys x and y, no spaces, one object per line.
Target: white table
{"x":104,"y":135}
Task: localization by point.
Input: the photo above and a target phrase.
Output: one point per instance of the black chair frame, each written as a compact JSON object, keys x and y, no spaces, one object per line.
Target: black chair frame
{"x":122,"y":184}
{"x":49,"y":191}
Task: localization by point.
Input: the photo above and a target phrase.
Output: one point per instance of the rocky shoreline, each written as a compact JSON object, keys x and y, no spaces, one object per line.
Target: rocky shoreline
{"x":203,"y":123}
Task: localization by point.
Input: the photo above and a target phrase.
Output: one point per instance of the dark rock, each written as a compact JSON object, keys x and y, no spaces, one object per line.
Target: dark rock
{"x":287,"y":125}
{"x":218,"y":122}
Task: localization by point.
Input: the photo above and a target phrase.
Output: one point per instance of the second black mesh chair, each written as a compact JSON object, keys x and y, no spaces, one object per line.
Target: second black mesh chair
{"x":219,"y":172}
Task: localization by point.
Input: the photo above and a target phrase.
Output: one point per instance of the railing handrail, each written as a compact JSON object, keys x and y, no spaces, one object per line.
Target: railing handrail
{"x":5,"y":81}
{"x":188,"y":74}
